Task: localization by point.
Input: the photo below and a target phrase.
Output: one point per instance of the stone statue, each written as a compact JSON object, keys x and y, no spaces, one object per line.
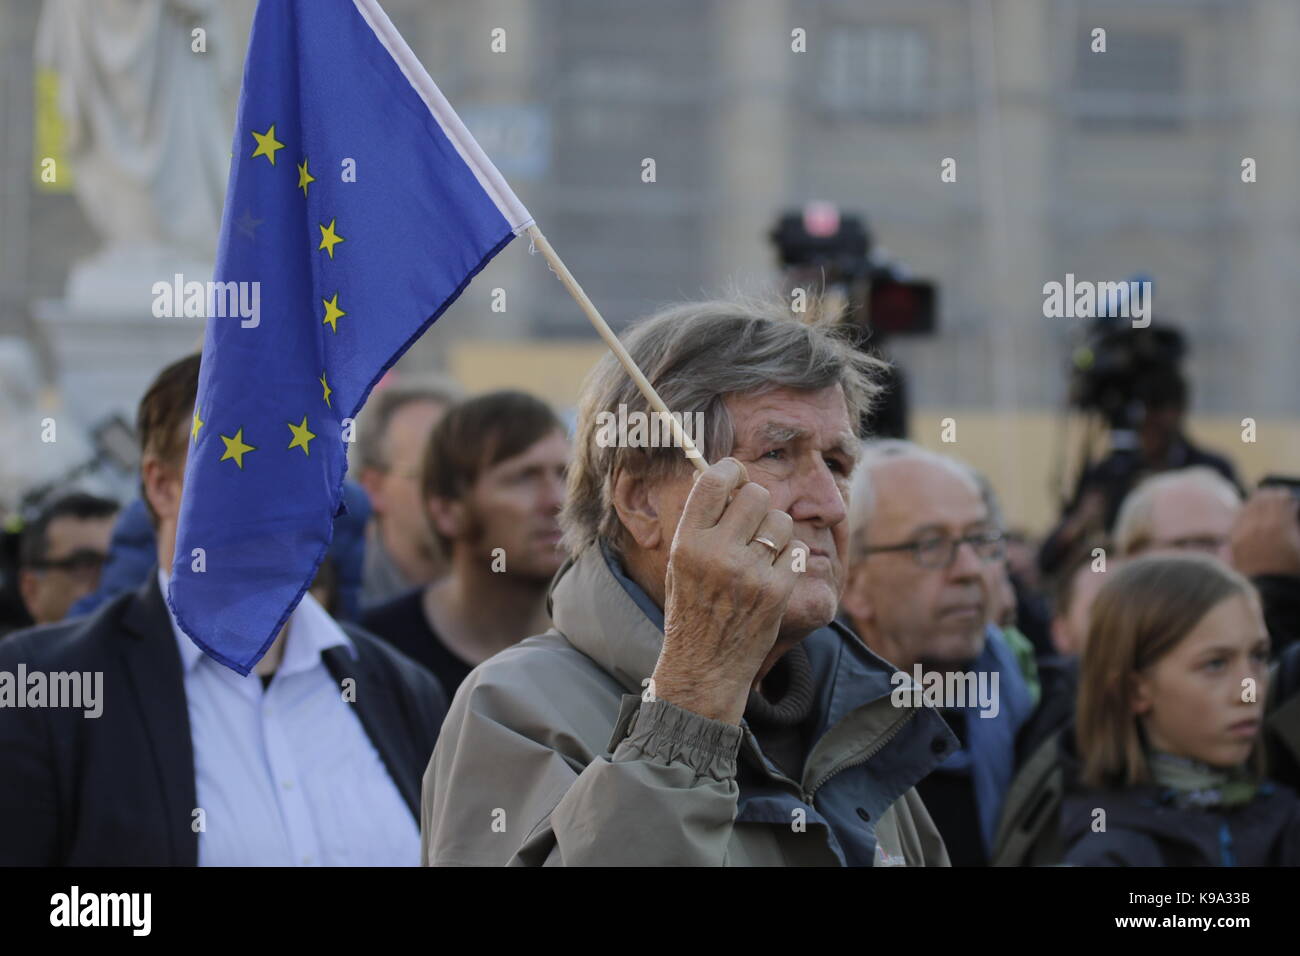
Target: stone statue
{"x":149,"y":118}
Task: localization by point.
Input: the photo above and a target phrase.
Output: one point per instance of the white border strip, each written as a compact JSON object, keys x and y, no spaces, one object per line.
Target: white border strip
{"x":488,"y":176}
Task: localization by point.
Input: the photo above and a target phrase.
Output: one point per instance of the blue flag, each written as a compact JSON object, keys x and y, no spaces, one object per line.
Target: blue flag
{"x":358,"y":208}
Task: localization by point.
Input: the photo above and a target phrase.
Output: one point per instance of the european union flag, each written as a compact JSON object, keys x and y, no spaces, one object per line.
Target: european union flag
{"x":358,"y":208}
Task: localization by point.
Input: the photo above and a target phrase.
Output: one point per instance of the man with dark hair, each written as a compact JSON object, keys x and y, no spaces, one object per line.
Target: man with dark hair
{"x":493,"y":484}
{"x":62,"y":553}
{"x":313,"y":759}
{"x":401,"y":553}
{"x":159,"y":424}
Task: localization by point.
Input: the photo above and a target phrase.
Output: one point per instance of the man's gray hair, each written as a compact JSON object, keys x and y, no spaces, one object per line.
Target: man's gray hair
{"x":695,"y":355}
{"x":991,"y":501}
{"x":370,"y":450}
{"x":862,"y":494}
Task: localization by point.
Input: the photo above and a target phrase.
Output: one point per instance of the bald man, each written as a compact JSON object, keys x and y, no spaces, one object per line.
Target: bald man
{"x":1191,"y":509}
{"x":921,"y":541}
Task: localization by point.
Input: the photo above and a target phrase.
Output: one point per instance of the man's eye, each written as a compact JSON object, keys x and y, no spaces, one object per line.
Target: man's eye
{"x":931,"y":544}
{"x":837,"y":466}
{"x":1216,"y":664}
{"x":774,"y":453}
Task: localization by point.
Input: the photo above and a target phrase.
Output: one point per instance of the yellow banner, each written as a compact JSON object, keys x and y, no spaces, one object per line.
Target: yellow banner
{"x":51,"y":170}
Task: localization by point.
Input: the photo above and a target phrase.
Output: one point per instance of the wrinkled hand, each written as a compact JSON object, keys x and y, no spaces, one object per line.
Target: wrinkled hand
{"x":726,"y":593}
{"x":1266,"y":536}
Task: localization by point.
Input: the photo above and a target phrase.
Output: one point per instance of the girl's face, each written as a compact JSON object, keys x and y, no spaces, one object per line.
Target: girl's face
{"x":1197,"y":701}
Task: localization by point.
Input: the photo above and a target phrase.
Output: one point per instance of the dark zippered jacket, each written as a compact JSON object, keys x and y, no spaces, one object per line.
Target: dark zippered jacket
{"x":1143,"y":827}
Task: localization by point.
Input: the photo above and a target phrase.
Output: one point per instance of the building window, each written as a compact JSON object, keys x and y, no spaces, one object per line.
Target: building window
{"x":1139,"y":81}
{"x":881,"y":71}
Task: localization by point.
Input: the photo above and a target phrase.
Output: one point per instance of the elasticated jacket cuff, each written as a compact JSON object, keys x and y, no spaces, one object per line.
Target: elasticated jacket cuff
{"x":666,"y":732}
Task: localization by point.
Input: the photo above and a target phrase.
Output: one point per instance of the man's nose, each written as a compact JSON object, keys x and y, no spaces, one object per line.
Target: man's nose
{"x":966,"y":563}
{"x":817,"y":497}
{"x":553,"y":495}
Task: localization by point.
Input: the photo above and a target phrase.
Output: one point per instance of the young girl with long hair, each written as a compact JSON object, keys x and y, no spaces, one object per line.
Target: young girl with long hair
{"x":1171,"y":704}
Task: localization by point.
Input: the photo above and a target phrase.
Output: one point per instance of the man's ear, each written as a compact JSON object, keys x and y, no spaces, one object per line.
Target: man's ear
{"x":372,"y":480}
{"x":638,"y":509}
{"x":162,"y":485}
{"x":448,"y":515}
{"x":856,"y":600}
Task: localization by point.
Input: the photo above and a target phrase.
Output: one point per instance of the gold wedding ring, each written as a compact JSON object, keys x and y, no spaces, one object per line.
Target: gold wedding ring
{"x":767,"y":543}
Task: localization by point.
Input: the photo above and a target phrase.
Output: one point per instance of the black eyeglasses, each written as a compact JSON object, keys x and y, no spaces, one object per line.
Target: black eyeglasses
{"x":83,"y":561}
{"x":940,"y":551}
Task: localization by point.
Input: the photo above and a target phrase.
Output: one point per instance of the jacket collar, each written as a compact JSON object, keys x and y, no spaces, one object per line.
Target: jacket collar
{"x":146,"y":613}
{"x":601,"y":618}
{"x":381,"y":712}
{"x":153,"y":661}
{"x":1149,"y":810}
{"x":153,"y":666}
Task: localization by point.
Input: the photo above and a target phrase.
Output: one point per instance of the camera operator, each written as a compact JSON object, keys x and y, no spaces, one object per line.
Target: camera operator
{"x":1160,"y":444}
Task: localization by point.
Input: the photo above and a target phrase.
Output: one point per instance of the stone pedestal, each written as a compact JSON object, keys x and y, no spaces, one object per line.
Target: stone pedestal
{"x":105,"y":360}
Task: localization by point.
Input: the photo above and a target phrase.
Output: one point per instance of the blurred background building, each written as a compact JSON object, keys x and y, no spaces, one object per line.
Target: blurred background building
{"x":1104,"y":165}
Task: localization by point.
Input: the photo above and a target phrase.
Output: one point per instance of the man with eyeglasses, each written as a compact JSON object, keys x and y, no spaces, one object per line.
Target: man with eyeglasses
{"x":921,"y":540}
{"x":62,"y":553}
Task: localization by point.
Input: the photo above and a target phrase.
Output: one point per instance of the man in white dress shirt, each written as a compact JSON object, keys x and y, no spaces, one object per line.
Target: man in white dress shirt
{"x":313,"y":759}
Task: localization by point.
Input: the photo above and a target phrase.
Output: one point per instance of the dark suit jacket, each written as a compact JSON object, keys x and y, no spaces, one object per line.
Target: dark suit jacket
{"x":119,"y":789}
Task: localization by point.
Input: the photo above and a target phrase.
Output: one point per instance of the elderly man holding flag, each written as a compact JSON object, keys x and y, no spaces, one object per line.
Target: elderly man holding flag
{"x":695,"y":702}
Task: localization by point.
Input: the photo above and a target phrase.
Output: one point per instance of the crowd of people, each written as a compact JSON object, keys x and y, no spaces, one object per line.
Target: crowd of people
{"x":527,"y":647}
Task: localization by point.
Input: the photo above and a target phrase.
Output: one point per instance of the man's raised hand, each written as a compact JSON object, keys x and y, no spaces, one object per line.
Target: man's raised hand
{"x":730,"y":576}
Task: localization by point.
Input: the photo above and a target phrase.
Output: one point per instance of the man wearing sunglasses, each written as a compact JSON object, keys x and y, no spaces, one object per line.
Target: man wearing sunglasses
{"x":921,"y":541}
{"x":62,"y":553}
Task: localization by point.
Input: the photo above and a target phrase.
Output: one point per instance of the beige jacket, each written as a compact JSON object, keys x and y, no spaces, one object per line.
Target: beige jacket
{"x":549,"y":756}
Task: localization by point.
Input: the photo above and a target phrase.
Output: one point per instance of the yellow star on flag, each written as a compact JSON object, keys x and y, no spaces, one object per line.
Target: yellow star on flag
{"x":325,"y":385}
{"x":267,"y":144}
{"x":198,"y":423}
{"x":328,"y":238}
{"x":332,"y":314}
{"x":235,"y":448}
{"x":301,"y":436}
{"x":304,"y":177}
